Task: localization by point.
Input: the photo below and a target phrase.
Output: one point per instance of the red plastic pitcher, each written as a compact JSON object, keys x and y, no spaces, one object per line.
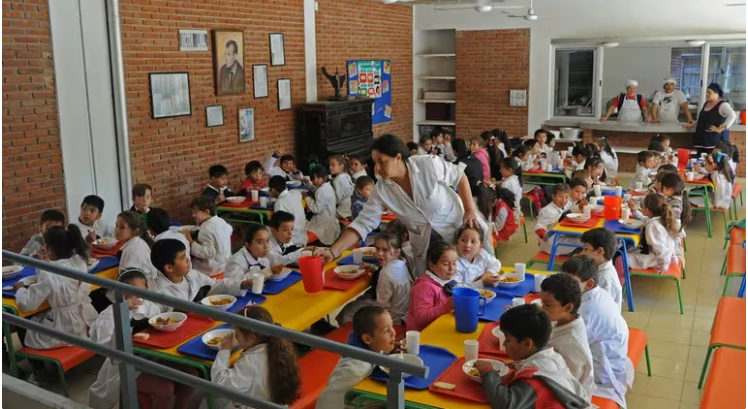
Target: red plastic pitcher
{"x":612,"y":207}
{"x":312,"y":273}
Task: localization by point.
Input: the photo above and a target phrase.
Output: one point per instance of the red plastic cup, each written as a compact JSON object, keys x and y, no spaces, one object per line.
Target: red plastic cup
{"x":312,"y":273}
{"x":612,"y":207}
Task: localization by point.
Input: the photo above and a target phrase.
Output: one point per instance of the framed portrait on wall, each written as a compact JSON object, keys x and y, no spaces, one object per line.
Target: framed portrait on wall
{"x":277,"y":49}
{"x":170,"y":94}
{"x":246,"y":124}
{"x":284,"y":94}
{"x":228,"y":61}
{"x":213,"y":115}
{"x":260,"y":80}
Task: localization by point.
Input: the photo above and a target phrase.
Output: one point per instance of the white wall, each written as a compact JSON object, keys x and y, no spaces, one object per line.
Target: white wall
{"x":584,"y":19}
{"x":648,"y":65}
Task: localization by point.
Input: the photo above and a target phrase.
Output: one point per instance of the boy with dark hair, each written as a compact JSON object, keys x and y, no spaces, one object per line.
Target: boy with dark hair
{"x":89,"y":223}
{"x":601,"y":244}
{"x":607,"y":332}
{"x":282,"y":250}
{"x":142,"y":198}
{"x":212,"y":249}
{"x":279,"y":164}
{"x":255,"y":177}
{"x":560,"y":298}
{"x":645,"y":163}
{"x":324,"y":223}
{"x":290,"y":201}
{"x":550,"y":216}
{"x":169,"y":256}
{"x":158,"y":223}
{"x":578,"y":194}
{"x":413,"y":148}
{"x":540,"y":377}
{"x":372,"y":330}
{"x":49,"y":218}
{"x":364,"y":187}
{"x":217,"y":188}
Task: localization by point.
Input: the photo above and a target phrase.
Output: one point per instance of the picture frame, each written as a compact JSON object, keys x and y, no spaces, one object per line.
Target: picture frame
{"x":228,"y":62}
{"x":170,"y":94}
{"x":284,"y":94}
{"x":214,"y":116}
{"x":277,"y":49}
{"x":260,"y":80}
{"x":193,"y":40}
{"x":246,"y":124}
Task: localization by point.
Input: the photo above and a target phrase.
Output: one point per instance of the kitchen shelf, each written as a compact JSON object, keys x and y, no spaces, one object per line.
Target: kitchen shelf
{"x":437,"y":122}
{"x":435,"y":101}
{"x":437,"y":77}
{"x":436,"y":55}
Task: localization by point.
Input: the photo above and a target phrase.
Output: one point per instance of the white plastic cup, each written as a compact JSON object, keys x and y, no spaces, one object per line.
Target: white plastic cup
{"x":139,"y":313}
{"x":517,"y":301}
{"x":502,"y":339}
{"x":258,"y":281}
{"x":638,"y":185}
{"x":255,"y":195}
{"x":619,"y":191}
{"x":598,"y":190}
{"x":541,"y":164}
{"x":563,"y":154}
{"x":413,"y":340}
{"x":625,"y":213}
{"x":689,"y":176}
{"x":548,"y":167}
{"x":519,"y":268}
{"x":471,"y":350}
{"x":626,"y":197}
{"x":587,"y":211}
{"x":264,"y":201}
{"x":538,"y":281}
{"x":358,"y":257}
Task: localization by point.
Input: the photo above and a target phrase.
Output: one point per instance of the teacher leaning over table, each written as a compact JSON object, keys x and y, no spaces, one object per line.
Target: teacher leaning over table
{"x":419,"y":191}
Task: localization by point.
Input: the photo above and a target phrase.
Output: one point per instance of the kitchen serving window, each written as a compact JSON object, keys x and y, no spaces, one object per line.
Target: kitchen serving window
{"x":574,"y":80}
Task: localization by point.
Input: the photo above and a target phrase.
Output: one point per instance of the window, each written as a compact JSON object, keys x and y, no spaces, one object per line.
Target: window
{"x":574,"y":82}
{"x":727,"y":68}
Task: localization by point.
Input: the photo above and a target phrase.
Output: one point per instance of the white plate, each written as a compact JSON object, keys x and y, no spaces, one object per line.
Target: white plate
{"x":513,"y":284}
{"x":346,"y":272}
{"x":282,"y":276}
{"x":105,"y":243}
{"x":235,"y":199}
{"x":490,"y":295}
{"x":182,"y":317}
{"x":414,"y":359}
{"x":497,"y":366}
{"x":577,"y":217}
{"x":11,"y":272}
{"x":211,"y":298}
{"x":633,"y":223}
{"x":217,"y":333}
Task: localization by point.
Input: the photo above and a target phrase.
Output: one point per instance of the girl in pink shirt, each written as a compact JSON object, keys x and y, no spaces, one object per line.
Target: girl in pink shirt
{"x":476,"y":147}
{"x":431,"y":295}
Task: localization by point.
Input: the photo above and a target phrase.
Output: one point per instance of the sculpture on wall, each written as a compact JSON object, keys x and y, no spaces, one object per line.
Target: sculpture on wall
{"x":337,"y":81}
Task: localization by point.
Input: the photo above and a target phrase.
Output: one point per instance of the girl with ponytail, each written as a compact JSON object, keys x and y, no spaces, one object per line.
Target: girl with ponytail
{"x":657,"y":249}
{"x":267,"y":369}
{"x":136,"y":249}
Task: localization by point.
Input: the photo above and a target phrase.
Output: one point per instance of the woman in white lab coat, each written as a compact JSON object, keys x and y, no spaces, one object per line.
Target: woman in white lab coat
{"x":324,"y":223}
{"x":632,"y":107}
{"x":420,"y":192}
{"x":136,"y":252}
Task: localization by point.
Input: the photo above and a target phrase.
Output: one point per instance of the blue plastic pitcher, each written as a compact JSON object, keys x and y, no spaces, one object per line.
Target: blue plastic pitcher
{"x":469,"y":304}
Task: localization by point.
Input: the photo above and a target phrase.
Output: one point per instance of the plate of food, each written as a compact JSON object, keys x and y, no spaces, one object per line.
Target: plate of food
{"x":213,"y":338}
{"x":168,"y":321}
{"x":280,"y":276}
{"x":10,"y":272}
{"x":414,"y":359}
{"x":631,"y":223}
{"x":105,"y":243}
{"x":578,"y":218}
{"x":349,"y":272}
{"x":222,"y":302}
{"x":490,"y":295}
{"x":510,"y":280}
{"x":235,"y":199}
{"x":472,"y":372}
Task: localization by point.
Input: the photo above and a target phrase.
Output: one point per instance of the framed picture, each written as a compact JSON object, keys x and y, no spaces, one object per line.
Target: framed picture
{"x":228,"y":61}
{"x":246,"y":124}
{"x":260,"y":79}
{"x":193,"y":40}
{"x":214,"y":115}
{"x":277,"y":49}
{"x":284,"y":94}
{"x":170,"y":94}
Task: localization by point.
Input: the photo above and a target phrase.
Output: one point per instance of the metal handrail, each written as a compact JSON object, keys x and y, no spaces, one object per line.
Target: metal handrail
{"x":395,"y":389}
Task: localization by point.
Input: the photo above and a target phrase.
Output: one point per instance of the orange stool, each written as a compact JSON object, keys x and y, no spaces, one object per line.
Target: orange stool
{"x":726,"y":386}
{"x":63,"y":358}
{"x":734,"y":264}
{"x":728,"y":329}
{"x":675,"y":272}
{"x":637,"y":346}
{"x":542,"y":257}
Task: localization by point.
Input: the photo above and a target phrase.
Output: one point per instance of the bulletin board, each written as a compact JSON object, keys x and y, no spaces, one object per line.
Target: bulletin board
{"x":372,"y":79}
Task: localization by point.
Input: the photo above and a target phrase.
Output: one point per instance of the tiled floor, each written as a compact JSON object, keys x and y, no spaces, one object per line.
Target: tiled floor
{"x":677,"y":343}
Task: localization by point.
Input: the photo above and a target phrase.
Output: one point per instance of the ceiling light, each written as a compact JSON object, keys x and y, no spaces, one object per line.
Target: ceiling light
{"x":610,"y":44}
{"x":483,"y":8}
{"x":695,"y":43}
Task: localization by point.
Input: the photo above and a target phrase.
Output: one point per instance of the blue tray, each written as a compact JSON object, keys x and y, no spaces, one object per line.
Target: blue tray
{"x":241,"y":302}
{"x":25,"y":272}
{"x":437,"y":359}
{"x":496,"y":308}
{"x":104,"y":263}
{"x":620,"y":228}
{"x":348,"y":260}
{"x":613,"y":192}
{"x":195,"y":346}
{"x":518,"y":291}
{"x":275,"y":287}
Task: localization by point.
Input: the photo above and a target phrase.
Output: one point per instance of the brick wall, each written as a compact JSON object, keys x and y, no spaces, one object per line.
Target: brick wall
{"x":365,"y":29}
{"x":489,"y":64}
{"x":174,"y":154}
{"x":32,"y":162}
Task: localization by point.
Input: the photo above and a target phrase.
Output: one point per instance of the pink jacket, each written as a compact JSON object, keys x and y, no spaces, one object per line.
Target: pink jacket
{"x":428,"y":301}
{"x":482,"y":156}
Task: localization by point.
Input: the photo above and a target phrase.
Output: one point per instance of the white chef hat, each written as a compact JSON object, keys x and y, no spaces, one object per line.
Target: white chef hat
{"x":670,"y":80}
{"x":632,"y":82}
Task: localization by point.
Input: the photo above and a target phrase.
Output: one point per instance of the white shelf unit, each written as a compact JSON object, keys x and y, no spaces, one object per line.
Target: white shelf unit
{"x":433,"y":71}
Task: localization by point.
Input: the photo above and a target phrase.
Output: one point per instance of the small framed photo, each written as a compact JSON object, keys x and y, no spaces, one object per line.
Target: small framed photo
{"x":246,"y":124}
{"x":277,"y":49}
{"x":284,"y":94}
{"x":214,"y":115}
{"x":170,"y":94}
{"x":260,"y":79}
{"x":193,"y":40}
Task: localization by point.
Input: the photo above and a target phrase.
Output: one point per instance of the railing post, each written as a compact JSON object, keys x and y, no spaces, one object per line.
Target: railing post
{"x":395,"y":390}
{"x":123,"y":340}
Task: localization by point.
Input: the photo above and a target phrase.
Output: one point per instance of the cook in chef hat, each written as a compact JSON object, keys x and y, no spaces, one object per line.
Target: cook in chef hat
{"x":670,"y":80}
{"x":632,"y":83}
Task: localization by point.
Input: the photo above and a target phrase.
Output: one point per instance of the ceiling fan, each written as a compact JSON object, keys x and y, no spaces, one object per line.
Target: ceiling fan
{"x":482,"y":6}
{"x":529,"y":16}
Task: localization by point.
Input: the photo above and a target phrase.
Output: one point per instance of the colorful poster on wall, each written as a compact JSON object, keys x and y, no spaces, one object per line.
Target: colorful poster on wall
{"x":374,"y":80}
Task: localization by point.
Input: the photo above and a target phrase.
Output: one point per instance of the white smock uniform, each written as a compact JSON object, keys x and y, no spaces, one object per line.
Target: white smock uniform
{"x":176,"y":235}
{"x":213,"y":248}
{"x":347,"y":374}
{"x":99,"y":227}
{"x":512,"y":184}
{"x":343,"y":187}
{"x":70,"y":309}
{"x":249,"y":375}
{"x":240,"y":263}
{"x":607,"y":279}
{"x":191,"y":285}
{"x":610,"y":162}
{"x":393,"y":294}
{"x":434,"y":205}
{"x":548,"y":218}
{"x":570,"y":341}
{"x":661,"y":247}
{"x":290,"y":201}
{"x":468,"y":273}
{"x":279,"y":255}
{"x":552,"y":365}
{"x":722,"y":194}
{"x":137,"y":254}
{"x":608,"y":336}
{"x":324,"y":223}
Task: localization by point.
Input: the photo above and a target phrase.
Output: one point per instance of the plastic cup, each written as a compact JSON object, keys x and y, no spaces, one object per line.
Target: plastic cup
{"x":413,"y":340}
{"x":541,"y":163}
{"x":625,"y":213}
{"x":638,"y":185}
{"x":563,"y":154}
{"x":519,"y":268}
{"x":307,"y":253}
{"x":264,"y":201}
{"x":358,"y":257}
{"x":517,"y":301}
{"x":538,"y":281}
{"x":139,"y":313}
{"x":689,"y":176}
{"x":619,"y":191}
{"x":548,"y":167}
{"x":312,"y":274}
{"x":502,"y":339}
{"x":598,"y":190}
{"x":258,"y":281}
{"x":255,"y":195}
{"x":471,"y":349}
{"x":587,"y":211}
{"x":626,"y":197}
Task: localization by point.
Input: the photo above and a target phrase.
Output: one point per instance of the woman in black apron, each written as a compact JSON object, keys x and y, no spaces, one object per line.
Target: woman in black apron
{"x":715,"y":118}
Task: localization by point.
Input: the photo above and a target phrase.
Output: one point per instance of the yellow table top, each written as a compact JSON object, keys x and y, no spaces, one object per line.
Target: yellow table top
{"x":600,"y":223}
{"x":110,"y":273}
{"x":439,"y":333}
